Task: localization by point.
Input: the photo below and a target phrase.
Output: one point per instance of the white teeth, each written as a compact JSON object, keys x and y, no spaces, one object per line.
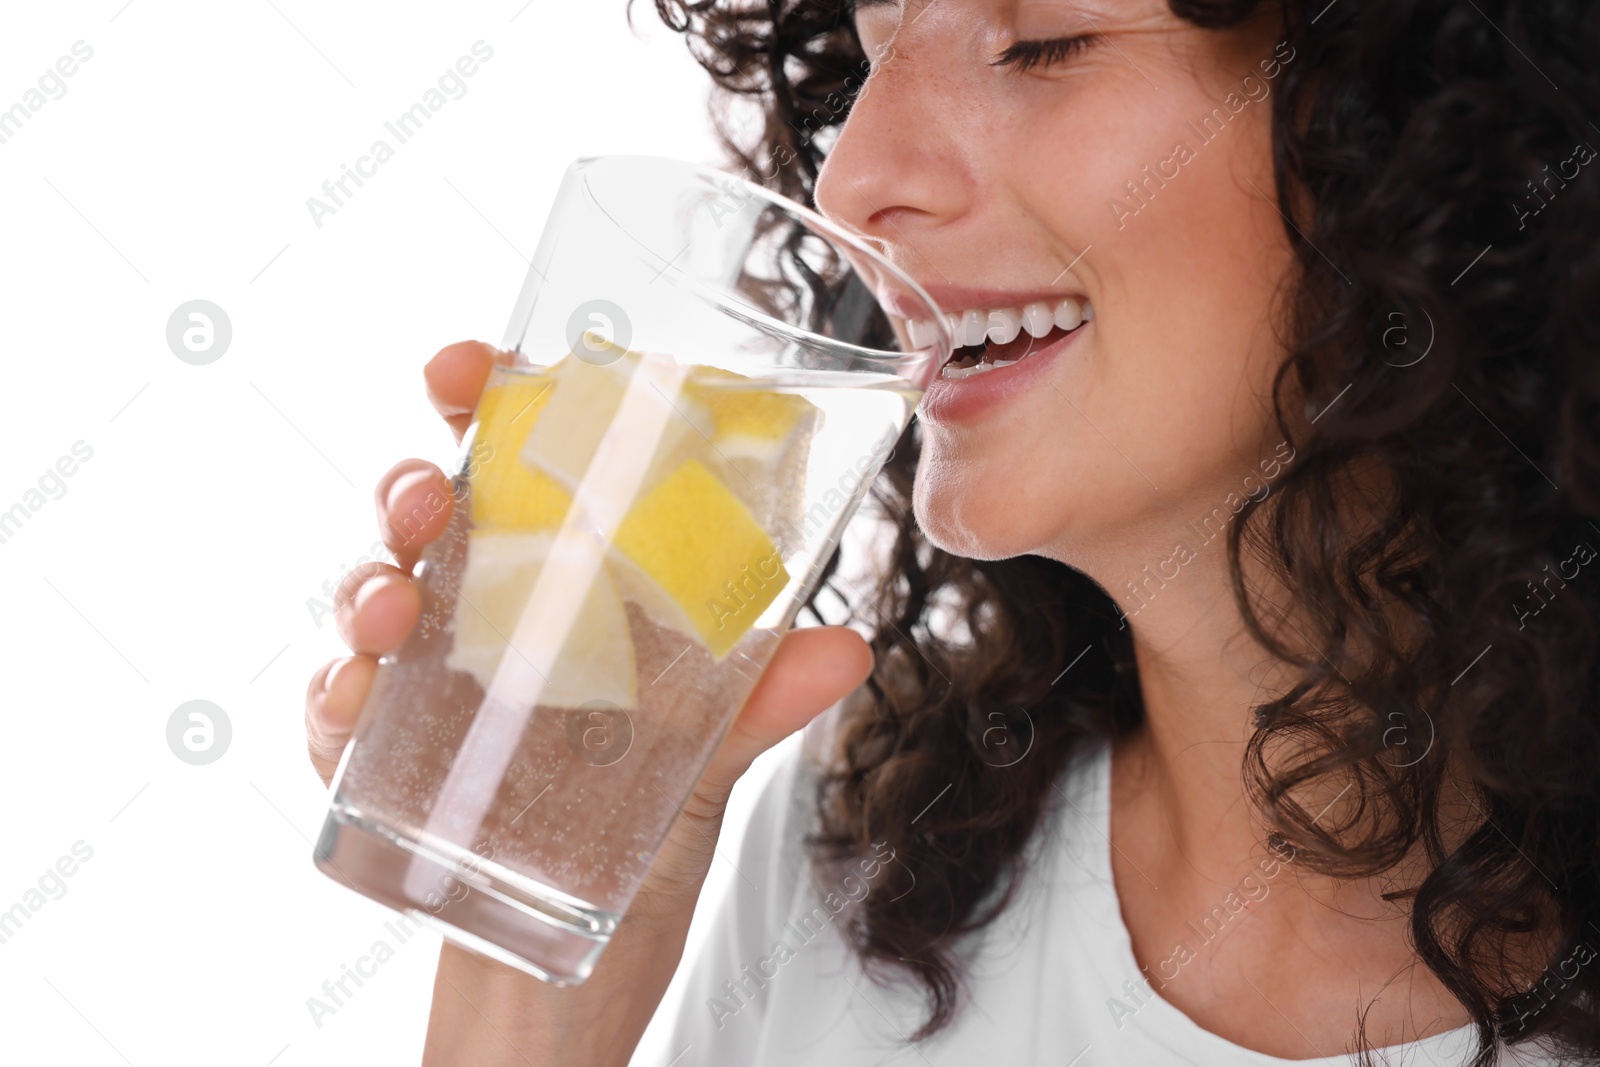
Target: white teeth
{"x":921,"y":332}
{"x":955,"y":372}
{"x":1004,"y":325}
{"x":1036,"y":318}
{"x":973,"y":325}
{"x":1000,"y":326}
{"x":966,"y":372}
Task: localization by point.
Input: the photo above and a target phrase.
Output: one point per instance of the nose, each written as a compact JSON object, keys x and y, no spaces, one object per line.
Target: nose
{"x":896,"y":173}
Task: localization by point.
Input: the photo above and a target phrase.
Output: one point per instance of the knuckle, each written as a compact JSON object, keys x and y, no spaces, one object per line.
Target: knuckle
{"x":703,"y":808}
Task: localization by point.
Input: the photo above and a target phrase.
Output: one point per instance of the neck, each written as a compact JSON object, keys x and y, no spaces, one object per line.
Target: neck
{"x":1201,"y":677}
{"x":1185,"y":835}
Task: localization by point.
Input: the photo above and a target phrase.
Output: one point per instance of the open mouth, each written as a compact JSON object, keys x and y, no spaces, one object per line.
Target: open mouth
{"x":989,"y":339}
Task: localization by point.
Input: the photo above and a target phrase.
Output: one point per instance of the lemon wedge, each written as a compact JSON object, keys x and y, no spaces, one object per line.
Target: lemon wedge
{"x":694,"y":555}
{"x":563,"y":441}
{"x":506,"y":494}
{"x":749,"y":421}
{"x":762,"y":440}
{"x":596,"y":662}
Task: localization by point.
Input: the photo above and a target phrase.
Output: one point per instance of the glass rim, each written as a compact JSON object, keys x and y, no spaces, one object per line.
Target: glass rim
{"x":944,"y":340}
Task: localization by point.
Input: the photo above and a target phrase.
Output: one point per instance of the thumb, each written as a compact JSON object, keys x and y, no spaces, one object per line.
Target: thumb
{"x":812,"y":670}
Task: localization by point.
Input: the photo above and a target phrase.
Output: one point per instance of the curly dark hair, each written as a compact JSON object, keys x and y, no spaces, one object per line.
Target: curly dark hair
{"x":1426,"y":145}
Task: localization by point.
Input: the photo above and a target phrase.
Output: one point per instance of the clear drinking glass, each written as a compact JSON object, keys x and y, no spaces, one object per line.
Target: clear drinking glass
{"x":707,"y":378}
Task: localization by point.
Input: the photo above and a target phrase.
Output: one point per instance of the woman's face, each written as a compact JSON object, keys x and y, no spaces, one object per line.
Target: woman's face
{"x":1131,"y":172}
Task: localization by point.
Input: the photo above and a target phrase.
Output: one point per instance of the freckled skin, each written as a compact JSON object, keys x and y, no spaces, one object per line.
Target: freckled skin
{"x":979,"y":175}
{"x":1159,"y":412}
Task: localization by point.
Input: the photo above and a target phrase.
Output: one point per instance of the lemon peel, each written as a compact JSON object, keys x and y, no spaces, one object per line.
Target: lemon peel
{"x":563,"y":441}
{"x":753,"y":414}
{"x":763,"y":441}
{"x":700,"y":546}
{"x":505,"y":492}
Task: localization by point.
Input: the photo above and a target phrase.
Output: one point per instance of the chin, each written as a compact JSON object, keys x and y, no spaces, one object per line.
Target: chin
{"x":971,"y":515}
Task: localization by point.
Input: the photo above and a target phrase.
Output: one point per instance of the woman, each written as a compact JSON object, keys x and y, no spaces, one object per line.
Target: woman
{"x":1232,"y":696}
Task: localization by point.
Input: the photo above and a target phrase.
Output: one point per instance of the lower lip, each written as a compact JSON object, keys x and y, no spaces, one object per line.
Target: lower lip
{"x":961,"y":399}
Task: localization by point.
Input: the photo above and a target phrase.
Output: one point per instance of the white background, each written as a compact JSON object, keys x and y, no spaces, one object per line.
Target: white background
{"x":219,"y":499}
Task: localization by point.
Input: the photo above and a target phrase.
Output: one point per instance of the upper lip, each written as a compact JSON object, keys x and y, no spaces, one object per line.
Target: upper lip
{"x":954,"y":299}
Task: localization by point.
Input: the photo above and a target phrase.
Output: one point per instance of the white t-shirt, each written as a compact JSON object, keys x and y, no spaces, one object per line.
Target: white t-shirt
{"x":1053,"y":981}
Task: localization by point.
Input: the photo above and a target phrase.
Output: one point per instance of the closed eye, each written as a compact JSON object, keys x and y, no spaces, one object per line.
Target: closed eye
{"x":1027,"y":55}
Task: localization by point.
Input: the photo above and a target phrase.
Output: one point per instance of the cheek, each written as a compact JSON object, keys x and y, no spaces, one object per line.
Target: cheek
{"x":1179,"y":376}
{"x":1165,"y":407}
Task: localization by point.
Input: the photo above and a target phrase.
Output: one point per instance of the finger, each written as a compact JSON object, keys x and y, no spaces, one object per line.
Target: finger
{"x":333,"y":703}
{"x":375,"y":609}
{"x":455,"y":377}
{"x":414,"y":501}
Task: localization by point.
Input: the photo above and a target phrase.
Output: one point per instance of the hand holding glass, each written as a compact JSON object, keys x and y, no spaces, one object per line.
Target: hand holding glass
{"x":707,"y":379}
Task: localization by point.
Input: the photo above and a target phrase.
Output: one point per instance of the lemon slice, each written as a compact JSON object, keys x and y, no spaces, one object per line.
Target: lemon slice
{"x":749,"y":422}
{"x":693,"y":551}
{"x":596,"y":662}
{"x":506,"y":494}
{"x":515,"y":511}
{"x":763,"y":442}
{"x":587,"y":395}
{"x":692,"y":555}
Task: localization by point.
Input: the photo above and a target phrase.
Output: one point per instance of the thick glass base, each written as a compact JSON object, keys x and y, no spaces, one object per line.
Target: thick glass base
{"x":475,"y":903}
